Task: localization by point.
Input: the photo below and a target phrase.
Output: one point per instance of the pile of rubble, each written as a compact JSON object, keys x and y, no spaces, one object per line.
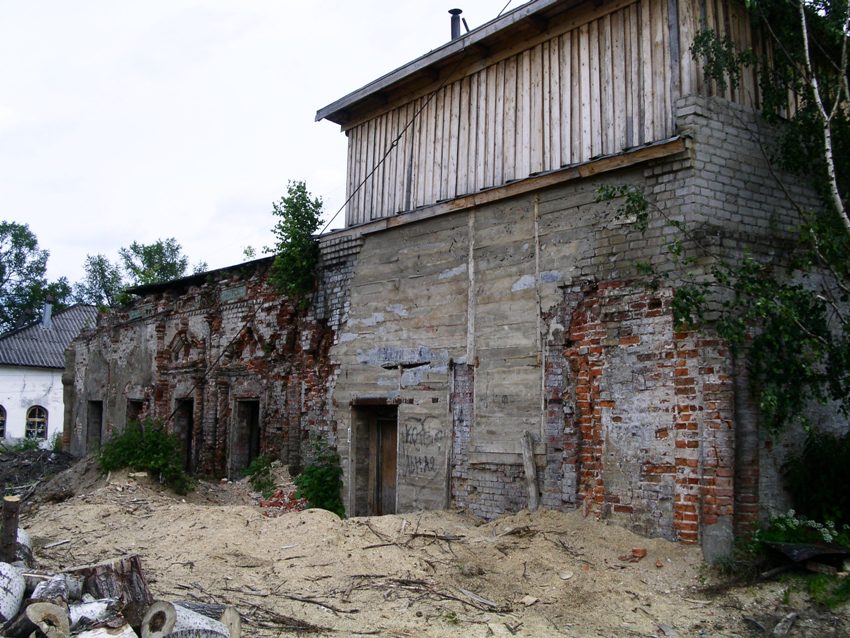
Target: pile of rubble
{"x":107,"y":599}
{"x":282,"y":502}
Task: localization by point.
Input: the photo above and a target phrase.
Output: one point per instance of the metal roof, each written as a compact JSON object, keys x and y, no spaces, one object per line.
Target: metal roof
{"x":37,"y":346}
{"x":195,"y":279}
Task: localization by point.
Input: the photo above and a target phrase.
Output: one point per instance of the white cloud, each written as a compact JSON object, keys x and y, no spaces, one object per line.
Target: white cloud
{"x":181,"y":118}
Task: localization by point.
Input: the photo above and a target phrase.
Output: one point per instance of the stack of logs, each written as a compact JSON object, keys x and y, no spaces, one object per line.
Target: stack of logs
{"x":109,"y":599}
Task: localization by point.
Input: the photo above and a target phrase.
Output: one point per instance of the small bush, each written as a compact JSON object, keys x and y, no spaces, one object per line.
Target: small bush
{"x":794,"y":528}
{"x":259,"y":474}
{"x":147,"y":447}
{"x":321,"y":482}
{"x":818,"y":477}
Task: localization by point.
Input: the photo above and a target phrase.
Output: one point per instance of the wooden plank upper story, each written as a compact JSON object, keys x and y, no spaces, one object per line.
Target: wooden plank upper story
{"x":554,"y":83}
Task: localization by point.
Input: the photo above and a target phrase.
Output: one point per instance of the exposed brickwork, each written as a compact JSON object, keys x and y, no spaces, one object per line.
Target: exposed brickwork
{"x":228,"y":339}
{"x":462,"y":405}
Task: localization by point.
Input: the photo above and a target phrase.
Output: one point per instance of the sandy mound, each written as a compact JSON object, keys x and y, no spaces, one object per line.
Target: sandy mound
{"x":419,"y":574}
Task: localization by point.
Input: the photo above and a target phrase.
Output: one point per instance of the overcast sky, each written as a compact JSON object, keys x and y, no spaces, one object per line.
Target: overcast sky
{"x":123,"y":121}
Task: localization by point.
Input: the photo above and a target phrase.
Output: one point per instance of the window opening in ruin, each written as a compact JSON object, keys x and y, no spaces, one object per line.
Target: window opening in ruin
{"x":36,"y":427}
{"x":94,"y":424}
{"x":184,"y":425}
{"x":2,"y":422}
{"x":376,"y":460}
{"x":134,"y":410}
{"x":245,"y":444}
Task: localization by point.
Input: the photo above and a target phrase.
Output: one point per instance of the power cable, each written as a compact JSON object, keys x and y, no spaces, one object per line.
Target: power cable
{"x":503,"y":9}
{"x":400,"y":135}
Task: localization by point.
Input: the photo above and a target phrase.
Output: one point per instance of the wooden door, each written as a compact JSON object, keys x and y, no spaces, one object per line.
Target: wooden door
{"x":386,"y":464}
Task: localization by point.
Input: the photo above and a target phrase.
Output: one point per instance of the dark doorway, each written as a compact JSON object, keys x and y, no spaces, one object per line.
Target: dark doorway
{"x":376,"y":460}
{"x":245,"y":446}
{"x":94,"y":425}
{"x":134,"y":409}
{"x":184,"y":425}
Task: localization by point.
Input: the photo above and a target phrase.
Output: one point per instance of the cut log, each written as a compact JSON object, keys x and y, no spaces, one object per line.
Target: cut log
{"x":530,"y":470}
{"x":159,"y":620}
{"x":9,"y":533}
{"x":32,"y":580}
{"x":51,"y":619}
{"x":233,"y":621}
{"x":18,"y":627}
{"x":226,"y":614}
{"x":95,"y":611}
{"x":121,"y":579}
{"x":11,"y":592}
{"x":105,"y":632}
{"x":165,"y":619}
{"x":54,"y":590}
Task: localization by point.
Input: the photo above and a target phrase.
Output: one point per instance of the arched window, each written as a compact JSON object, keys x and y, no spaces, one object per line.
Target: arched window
{"x":2,"y":422}
{"x":36,"y":423}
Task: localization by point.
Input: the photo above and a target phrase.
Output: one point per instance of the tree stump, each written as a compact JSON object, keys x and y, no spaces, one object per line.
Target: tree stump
{"x":9,"y":533}
{"x":121,"y":579}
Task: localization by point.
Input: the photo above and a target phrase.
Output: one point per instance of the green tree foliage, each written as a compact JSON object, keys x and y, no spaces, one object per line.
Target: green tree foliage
{"x":24,"y":287}
{"x":139,"y":264}
{"x":817,"y":477}
{"x":297,"y":252}
{"x":153,"y":263}
{"x":789,"y":313}
{"x":102,"y":284}
{"x":792,"y":314}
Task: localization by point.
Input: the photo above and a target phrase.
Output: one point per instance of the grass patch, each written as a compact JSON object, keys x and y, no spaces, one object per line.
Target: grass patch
{"x":828,"y":591}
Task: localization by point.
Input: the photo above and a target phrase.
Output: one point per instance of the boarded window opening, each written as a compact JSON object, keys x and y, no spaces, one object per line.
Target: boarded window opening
{"x":184,"y":423}
{"x":375,"y":460}
{"x":94,"y":424}
{"x":245,"y":444}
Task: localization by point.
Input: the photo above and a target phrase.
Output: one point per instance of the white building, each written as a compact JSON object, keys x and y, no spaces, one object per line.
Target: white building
{"x":32,"y":359}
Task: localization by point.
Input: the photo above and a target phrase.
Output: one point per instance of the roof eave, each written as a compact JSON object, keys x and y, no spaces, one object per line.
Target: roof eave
{"x":337,"y":111}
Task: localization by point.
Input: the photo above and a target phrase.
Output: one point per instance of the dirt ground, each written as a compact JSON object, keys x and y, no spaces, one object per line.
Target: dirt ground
{"x":417,"y":574}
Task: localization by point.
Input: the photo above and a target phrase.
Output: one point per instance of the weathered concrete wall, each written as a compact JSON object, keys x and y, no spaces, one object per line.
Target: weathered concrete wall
{"x":529,"y":315}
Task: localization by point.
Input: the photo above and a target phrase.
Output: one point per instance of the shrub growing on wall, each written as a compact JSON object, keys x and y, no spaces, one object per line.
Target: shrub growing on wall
{"x":294,"y":269}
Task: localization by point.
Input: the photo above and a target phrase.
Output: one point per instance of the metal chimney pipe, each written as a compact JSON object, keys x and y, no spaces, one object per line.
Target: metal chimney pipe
{"x":47,"y":314}
{"x":455,"y":23}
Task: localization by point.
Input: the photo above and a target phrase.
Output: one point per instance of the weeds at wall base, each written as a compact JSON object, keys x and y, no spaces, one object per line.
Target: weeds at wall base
{"x":147,"y":447}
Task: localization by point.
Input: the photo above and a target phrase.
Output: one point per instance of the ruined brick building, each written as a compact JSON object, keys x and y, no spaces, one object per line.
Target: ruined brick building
{"x":480,"y":295}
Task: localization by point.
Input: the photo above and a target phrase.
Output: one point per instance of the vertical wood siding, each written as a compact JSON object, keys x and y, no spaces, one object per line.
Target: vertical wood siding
{"x":602,"y":86}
